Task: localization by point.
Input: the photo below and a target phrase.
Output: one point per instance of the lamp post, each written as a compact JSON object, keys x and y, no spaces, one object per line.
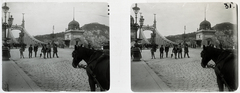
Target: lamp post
{"x":136,"y":26}
{"x":184,"y":36}
{"x":141,"y":24}
{"x":136,"y":50}
{"x":53,"y":36}
{"x":141,"y":20}
{"x":6,"y":26}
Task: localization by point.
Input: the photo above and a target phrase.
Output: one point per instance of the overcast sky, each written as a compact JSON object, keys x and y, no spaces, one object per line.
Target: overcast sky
{"x":171,"y":17}
{"x":41,"y":16}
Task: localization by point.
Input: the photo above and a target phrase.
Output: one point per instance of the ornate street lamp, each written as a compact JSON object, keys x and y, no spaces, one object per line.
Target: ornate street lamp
{"x":5,"y":25}
{"x":136,"y":51}
{"x":136,"y":10}
{"x":141,"y":20}
{"x":136,"y":26}
{"x":5,"y":48}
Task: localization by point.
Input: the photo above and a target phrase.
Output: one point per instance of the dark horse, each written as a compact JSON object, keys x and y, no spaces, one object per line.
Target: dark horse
{"x":225,"y":66}
{"x":97,"y":66}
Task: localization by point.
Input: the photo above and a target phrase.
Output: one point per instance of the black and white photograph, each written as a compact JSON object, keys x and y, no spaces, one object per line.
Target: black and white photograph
{"x":55,"y":46}
{"x":184,"y":46}
{"x":155,"y":46}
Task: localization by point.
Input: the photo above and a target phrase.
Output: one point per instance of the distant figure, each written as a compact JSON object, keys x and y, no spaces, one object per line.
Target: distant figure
{"x":166,"y":50}
{"x":89,"y":46}
{"x":179,"y":50}
{"x":44,"y":50}
{"x":30,"y":51}
{"x":154,"y":49}
{"x":35,"y":48}
{"x":220,"y":45}
{"x":152,"y":52}
{"x":55,"y":50}
{"x":174,"y":51}
{"x":186,"y":50}
{"x":48,"y":50}
{"x":161,"y":49}
{"x":21,"y":51}
{"x":76,"y":46}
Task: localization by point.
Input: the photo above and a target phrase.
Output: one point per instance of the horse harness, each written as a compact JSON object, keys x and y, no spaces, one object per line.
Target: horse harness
{"x":92,"y":64}
{"x":222,"y":59}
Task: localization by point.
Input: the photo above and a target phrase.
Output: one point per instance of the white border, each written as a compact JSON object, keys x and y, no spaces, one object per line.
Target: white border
{"x":120,"y":37}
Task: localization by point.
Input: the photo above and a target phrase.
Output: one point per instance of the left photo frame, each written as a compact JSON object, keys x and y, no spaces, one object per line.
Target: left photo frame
{"x":55,"y":46}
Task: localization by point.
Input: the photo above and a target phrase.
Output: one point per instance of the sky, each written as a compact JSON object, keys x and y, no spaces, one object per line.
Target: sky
{"x":40,"y":17}
{"x":172,"y":17}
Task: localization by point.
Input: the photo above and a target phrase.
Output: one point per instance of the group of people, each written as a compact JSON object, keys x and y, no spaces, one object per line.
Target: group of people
{"x":46,"y":49}
{"x":176,"y":51}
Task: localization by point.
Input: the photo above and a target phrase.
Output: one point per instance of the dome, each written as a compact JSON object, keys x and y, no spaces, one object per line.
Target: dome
{"x":204,"y":25}
{"x":73,"y":25}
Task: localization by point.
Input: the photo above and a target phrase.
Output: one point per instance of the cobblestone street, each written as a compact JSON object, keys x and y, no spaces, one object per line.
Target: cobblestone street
{"x":53,"y":74}
{"x":183,"y":75}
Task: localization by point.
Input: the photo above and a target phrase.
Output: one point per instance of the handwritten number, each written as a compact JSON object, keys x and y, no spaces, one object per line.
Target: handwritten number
{"x":228,"y":5}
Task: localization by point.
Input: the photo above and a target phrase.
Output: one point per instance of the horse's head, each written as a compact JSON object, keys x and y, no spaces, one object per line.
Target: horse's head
{"x":80,"y":53}
{"x":78,"y":56}
{"x":206,"y":56}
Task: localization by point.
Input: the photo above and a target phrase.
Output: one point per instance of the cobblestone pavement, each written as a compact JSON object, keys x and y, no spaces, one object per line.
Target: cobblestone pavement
{"x":183,"y":75}
{"x":53,"y":74}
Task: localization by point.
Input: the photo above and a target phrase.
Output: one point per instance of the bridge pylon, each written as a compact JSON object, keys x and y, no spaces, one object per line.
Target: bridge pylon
{"x":158,"y":38}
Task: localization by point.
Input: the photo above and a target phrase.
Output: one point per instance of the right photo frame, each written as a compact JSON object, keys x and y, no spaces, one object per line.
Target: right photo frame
{"x":184,"y":47}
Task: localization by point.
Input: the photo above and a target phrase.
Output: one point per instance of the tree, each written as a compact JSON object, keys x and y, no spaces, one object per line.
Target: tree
{"x":225,"y":34}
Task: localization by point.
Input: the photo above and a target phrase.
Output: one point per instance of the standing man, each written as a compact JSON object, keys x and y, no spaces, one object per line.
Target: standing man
{"x":166,"y":50}
{"x":186,"y":50}
{"x":30,"y":51}
{"x":161,"y":51}
{"x":44,"y":50}
{"x":175,"y":51}
{"x":21,"y":51}
{"x":35,"y":48}
{"x":48,"y":50}
{"x":154,"y":49}
{"x":152,"y":52}
{"x":179,"y":50}
{"x":55,"y":50}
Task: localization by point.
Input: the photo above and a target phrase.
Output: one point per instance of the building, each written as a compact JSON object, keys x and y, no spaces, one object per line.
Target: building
{"x":205,"y":34}
{"x":73,"y":34}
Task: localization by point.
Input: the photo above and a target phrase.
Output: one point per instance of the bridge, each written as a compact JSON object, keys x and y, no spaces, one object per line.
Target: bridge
{"x":24,"y":36}
{"x":159,"y":39}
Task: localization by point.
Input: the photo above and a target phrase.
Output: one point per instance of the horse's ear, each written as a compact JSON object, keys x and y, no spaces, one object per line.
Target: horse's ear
{"x":204,"y":47}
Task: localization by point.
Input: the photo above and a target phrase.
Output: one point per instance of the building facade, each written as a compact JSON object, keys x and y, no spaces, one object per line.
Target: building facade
{"x":73,"y":34}
{"x":205,"y":34}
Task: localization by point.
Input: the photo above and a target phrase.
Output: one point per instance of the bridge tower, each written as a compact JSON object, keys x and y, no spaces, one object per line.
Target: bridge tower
{"x":153,"y":35}
{"x":154,"y":22}
{"x":21,"y":34}
{"x":23,"y":21}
